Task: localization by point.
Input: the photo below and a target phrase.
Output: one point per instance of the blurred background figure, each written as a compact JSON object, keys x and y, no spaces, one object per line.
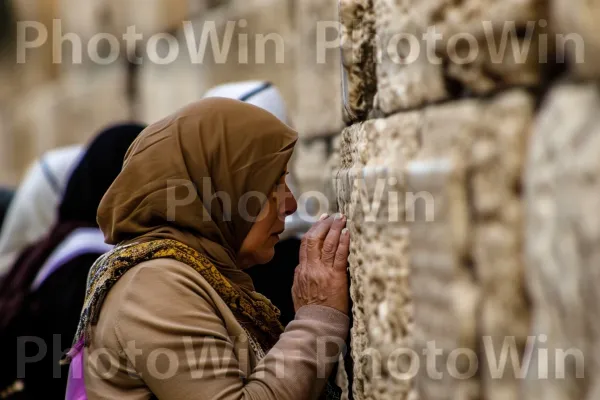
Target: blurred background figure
{"x":43,"y":293}
{"x":280,"y":270}
{"x":33,"y":207}
{"x":6,"y":195}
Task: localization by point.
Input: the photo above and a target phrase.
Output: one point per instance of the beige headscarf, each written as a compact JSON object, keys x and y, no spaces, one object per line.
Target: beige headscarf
{"x":217,"y":145}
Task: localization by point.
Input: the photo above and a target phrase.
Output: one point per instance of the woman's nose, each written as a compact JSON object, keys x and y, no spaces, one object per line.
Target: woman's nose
{"x":289,"y":205}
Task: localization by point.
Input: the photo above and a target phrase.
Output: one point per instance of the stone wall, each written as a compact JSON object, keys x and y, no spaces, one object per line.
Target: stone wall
{"x":45,"y":103}
{"x":468,"y":178}
{"x":467,"y":169}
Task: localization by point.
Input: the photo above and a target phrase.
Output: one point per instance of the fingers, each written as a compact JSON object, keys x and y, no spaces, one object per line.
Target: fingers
{"x":315,"y":237}
{"x":330,"y":244}
{"x":343,"y":250}
{"x":303,"y":246}
{"x":303,"y":256}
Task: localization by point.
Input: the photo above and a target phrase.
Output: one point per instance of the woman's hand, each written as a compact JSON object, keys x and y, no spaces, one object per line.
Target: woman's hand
{"x":321,"y":278}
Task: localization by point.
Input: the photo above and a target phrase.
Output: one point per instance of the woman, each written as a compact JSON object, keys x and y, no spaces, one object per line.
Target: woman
{"x":33,"y":209}
{"x":170,"y":312}
{"x":43,"y":294}
{"x":281,"y":268}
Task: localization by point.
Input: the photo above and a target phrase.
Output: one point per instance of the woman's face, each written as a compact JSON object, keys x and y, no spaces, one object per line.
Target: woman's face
{"x":259,"y":245}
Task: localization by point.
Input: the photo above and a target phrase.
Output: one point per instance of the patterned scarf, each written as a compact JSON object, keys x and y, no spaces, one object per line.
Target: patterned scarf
{"x":257,"y":315}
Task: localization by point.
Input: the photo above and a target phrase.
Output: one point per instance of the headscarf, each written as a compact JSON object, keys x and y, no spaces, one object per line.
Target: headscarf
{"x":33,"y":208}
{"x":167,"y":190}
{"x":265,"y":95}
{"x":92,"y":176}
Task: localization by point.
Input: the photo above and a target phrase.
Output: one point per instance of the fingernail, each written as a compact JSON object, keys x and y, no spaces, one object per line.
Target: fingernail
{"x":337,"y":216}
{"x":323,"y":216}
{"x":345,"y":231}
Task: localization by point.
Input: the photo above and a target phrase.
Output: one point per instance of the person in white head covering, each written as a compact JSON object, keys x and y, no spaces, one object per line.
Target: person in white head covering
{"x":265,"y":95}
{"x":34,"y":206}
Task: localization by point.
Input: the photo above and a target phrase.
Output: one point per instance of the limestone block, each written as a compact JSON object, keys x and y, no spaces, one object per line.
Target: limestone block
{"x":371,"y":193}
{"x":401,"y":84}
{"x":445,"y":295}
{"x":163,"y":89}
{"x":467,"y":259}
{"x":318,"y":69}
{"x":36,"y":66}
{"x":67,"y":112}
{"x":577,"y":35}
{"x":498,"y":155}
{"x":308,"y":164}
{"x":85,"y":18}
{"x":359,"y":80}
{"x":147,"y":16}
{"x":561,"y":243}
{"x":330,"y":180}
{"x":257,"y":43}
{"x":437,"y":49}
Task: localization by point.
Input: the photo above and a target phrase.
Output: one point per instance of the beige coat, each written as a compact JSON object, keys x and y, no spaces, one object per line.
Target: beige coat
{"x":164,"y":331}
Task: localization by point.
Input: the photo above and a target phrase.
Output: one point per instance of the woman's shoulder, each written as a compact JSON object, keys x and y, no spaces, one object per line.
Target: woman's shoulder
{"x":155,"y":293}
{"x":161,"y":280}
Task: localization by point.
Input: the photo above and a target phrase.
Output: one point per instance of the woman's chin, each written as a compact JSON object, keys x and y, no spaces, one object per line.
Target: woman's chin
{"x":265,"y":256}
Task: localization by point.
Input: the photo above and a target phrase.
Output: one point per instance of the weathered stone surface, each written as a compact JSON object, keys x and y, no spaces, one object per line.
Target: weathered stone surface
{"x":437,"y":49}
{"x":445,"y":295}
{"x":577,"y":35}
{"x":359,"y":80}
{"x":332,"y":170}
{"x":308,"y":164}
{"x":405,"y":78}
{"x":562,"y":239}
{"x":317,"y":69}
{"x":370,"y":191}
{"x":467,"y":264}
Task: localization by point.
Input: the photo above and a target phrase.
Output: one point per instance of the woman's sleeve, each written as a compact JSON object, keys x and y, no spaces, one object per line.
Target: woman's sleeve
{"x":176,"y":340}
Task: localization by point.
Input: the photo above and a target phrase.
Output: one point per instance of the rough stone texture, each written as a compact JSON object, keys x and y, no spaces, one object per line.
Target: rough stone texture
{"x":308,"y":163}
{"x":562,"y":236}
{"x":359,"y":80}
{"x":578,"y":35}
{"x":403,"y":84}
{"x":497,"y":158}
{"x":318,"y":69}
{"x":466,"y":56}
{"x":330,"y":181}
{"x":467,"y":266}
{"x":370,"y":191}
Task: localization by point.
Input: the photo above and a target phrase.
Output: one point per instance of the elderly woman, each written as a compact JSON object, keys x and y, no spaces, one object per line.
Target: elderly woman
{"x":170,"y":312}
{"x":281,"y":268}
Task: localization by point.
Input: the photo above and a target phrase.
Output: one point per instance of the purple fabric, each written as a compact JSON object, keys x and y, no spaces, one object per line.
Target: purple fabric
{"x":76,"y":384}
